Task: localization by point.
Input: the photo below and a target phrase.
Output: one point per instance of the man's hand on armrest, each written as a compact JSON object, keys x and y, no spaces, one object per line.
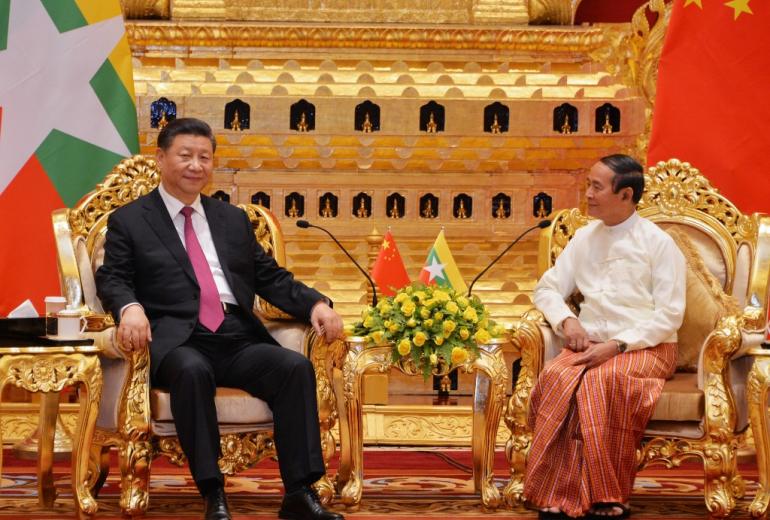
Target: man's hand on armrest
{"x":134,"y":329}
{"x":326,"y":321}
{"x":575,"y":335}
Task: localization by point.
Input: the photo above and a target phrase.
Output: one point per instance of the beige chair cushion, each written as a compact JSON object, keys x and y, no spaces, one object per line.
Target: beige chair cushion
{"x":681,"y":400}
{"x":706,"y":303}
{"x":233,"y":407}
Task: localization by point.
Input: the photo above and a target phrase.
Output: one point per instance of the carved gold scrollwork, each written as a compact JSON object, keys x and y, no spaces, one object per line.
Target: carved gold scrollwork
{"x":143,"y":35}
{"x":129,"y":180}
{"x":528,"y":339}
{"x":757,"y":396}
{"x":562,"y":229}
{"x":239,"y":450}
{"x":135,"y":458}
{"x":673,"y":187}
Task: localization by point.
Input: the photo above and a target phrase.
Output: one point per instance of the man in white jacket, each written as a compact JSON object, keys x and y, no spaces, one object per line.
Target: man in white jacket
{"x":592,"y":403}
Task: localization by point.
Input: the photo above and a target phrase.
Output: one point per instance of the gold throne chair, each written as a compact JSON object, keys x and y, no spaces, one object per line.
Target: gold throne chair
{"x":133,"y":417}
{"x":703,"y":409}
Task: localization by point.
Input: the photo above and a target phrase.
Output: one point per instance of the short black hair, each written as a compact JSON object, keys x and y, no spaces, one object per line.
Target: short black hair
{"x":185,"y":126}
{"x":628,"y":174}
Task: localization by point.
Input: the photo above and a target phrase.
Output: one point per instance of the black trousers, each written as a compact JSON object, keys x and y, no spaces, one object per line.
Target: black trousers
{"x":232,"y":357}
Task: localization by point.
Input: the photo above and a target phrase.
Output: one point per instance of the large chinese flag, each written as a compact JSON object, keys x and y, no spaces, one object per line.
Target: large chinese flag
{"x":712,"y":108}
{"x":67,"y":116}
{"x":388,"y":270}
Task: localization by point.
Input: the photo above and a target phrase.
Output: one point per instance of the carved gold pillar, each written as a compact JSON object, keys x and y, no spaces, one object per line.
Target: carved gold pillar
{"x":756,"y":395}
{"x":552,"y":12}
{"x":146,"y":9}
{"x":508,"y":12}
{"x":199,"y":9}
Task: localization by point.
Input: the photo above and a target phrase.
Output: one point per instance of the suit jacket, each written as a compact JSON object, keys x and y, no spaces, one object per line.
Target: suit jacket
{"x":145,"y":262}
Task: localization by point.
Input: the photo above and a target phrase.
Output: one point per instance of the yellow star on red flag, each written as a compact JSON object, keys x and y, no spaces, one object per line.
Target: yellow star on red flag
{"x":740,"y":6}
{"x":693,"y":2}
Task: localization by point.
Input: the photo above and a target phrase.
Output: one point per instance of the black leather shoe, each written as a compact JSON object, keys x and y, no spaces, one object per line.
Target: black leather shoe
{"x":304,"y":504}
{"x":216,"y":505}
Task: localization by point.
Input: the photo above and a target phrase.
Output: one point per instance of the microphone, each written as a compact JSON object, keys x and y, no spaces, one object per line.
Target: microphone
{"x":540,"y":225}
{"x":304,"y":224}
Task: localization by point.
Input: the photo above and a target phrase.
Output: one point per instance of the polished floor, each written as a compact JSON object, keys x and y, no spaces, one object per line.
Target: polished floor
{"x":399,"y":484}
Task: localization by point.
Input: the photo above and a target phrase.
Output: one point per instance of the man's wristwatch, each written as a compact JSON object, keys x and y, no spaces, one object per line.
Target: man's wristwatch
{"x":622,"y":345}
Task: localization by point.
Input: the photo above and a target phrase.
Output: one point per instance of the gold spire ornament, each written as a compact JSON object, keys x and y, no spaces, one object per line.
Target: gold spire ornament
{"x":461,"y":213}
{"x":500,"y":211}
{"x":431,"y":127}
{"x":367,"y":125}
{"x":394,"y":212}
{"x":607,"y":126}
{"x":566,"y":128}
{"x":302,"y":123}
{"x":327,"y":212}
{"x":162,"y":122}
{"x":293,"y":210}
{"x":541,"y":209}
{"x":235,"y":124}
{"x":362,"y":212}
{"x":495,"y":127}
{"x":427,"y":210}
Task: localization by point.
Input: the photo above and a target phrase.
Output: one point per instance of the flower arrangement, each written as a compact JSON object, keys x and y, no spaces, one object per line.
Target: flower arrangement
{"x":430,"y":324}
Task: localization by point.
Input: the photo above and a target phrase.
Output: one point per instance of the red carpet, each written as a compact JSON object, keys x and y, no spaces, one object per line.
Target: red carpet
{"x":399,"y":484}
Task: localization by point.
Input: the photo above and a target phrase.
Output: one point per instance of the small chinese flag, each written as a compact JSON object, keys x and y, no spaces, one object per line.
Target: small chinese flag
{"x":388,"y":271}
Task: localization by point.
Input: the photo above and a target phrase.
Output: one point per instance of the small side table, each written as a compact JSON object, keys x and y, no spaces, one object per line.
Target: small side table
{"x":488,"y":401}
{"x":48,"y":367}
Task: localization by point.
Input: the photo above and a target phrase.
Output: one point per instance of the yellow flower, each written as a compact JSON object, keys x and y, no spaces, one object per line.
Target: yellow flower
{"x":438,"y":316}
{"x":420,"y":295}
{"x":404,"y":347}
{"x":438,"y":340}
{"x":430,"y":303}
{"x":408,"y":308}
{"x":394,"y":327}
{"x":459,"y":355}
{"x":433,"y":359}
{"x":384,"y":307}
{"x":440,"y":295}
{"x":482,"y":336}
{"x":369,"y":322}
{"x":411,"y":322}
{"x":400,"y":297}
{"x":464,"y":334}
{"x":376,"y":337}
{"x":348,"y":329}
{"x":484,"y":323}
{"x":498,"y":330}
{"x":386,"y":323}
{"x":419,"y":338}
{"x":366,"y":312}
{"x":448,"y":327}
{"x":427,"y":323}
{"x":470,"y":315}
{"x":409,"y":289}
{"x":424,"y":313}
{"x":462,"y":302}
{"x":451,"y":307}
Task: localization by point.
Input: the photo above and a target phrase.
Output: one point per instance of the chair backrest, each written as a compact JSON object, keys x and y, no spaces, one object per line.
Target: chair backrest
{"x":677,"y":195}
{"x":80,"y":231}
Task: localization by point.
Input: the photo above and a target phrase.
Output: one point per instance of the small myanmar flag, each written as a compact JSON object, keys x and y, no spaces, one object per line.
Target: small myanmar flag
{"x":67,"y":116}
{"x":440,"y":267}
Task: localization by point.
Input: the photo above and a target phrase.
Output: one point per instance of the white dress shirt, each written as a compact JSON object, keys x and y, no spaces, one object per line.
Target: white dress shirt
{"x":632,"y":277}
{"x":201,"y":228}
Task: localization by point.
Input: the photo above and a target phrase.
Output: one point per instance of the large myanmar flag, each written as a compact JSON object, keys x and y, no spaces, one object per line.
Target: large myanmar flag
{"x":67,"y":116}
{"x":711,"y":106}
{"x":440,"y":267}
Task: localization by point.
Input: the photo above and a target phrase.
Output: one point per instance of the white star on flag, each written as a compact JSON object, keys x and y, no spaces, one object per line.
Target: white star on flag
{"x":435,"y":269}
{"x":41,"y":58}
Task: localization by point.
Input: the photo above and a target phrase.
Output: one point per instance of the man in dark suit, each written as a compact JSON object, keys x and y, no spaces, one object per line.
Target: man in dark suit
{"x":180,"y":273}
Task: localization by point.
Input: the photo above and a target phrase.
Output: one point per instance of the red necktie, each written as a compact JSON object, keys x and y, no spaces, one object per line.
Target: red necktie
{"x":211,"y":315}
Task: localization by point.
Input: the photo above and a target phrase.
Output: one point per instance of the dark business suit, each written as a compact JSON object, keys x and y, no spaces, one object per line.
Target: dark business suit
{"x":145,"y":262}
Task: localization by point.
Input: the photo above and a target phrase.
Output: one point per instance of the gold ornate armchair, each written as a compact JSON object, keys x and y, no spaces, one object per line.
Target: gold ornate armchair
{"x":702,"y":410}
{"x":136,"y":419}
